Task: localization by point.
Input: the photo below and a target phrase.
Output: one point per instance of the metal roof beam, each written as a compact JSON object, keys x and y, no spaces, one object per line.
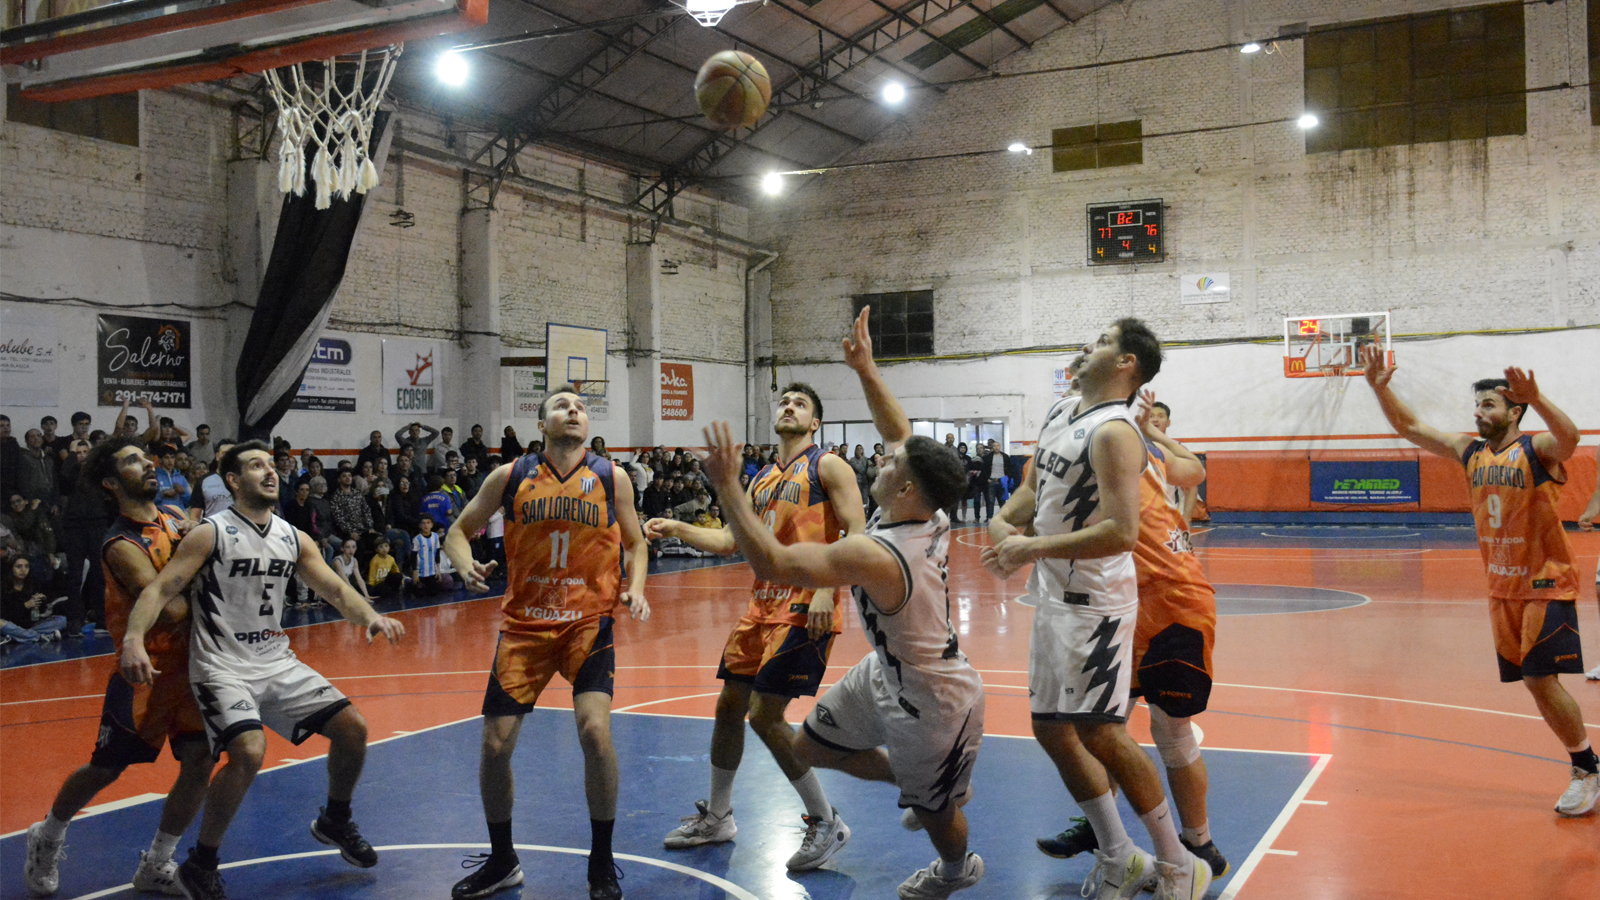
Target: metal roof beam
{"x":931,"y":36}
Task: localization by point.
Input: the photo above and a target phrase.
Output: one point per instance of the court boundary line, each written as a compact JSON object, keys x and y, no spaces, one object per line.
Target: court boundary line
{"x":727,"y":886}
{"x":1264,"y":846}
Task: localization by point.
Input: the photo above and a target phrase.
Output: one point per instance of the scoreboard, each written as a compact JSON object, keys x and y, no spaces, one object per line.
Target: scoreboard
{"x":1130,"y":232}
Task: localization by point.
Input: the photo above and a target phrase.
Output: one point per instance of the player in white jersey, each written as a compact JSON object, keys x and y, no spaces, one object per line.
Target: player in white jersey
{"x":242,"y":671}
{"x":1081,"y":501}
{"x":915,"y":694}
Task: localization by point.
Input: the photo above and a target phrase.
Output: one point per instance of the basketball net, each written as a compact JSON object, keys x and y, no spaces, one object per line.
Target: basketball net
{"x":330,"y":104}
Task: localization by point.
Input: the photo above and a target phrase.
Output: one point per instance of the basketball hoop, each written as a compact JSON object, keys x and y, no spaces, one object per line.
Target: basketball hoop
{"x":330,"y":104}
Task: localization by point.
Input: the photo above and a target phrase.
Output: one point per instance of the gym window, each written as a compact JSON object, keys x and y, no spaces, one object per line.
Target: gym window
{"x":1453,"y":75}
{"x":1101,"y":146}
{"x":901,"y":323}
{"x":112,"y":118}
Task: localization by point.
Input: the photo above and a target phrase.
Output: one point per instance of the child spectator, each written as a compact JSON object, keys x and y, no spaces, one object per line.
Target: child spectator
{"x":26,"y":613}
{"x":425,"y":573}
{"x":383,"y":573}
{"x":349,"y":569}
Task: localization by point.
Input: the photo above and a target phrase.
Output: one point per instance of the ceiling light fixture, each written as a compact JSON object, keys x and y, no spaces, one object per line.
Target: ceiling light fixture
{"x":1307,"y":121}
{"x":772,"y":184}
{"x":1020,"y":147}
{"x":894,"y":92}
{"x":1251,"y":47}
{"x":709,"y":12}
{"x":452,"y":69}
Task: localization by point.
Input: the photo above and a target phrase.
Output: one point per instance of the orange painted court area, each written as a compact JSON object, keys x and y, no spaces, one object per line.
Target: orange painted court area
{"x":1439,"y":781}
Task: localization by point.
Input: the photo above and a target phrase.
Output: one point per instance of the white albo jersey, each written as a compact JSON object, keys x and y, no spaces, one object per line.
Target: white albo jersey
{"x":1068,"y":499}
{"x":238,"y":609}
{"x":921,"y":662}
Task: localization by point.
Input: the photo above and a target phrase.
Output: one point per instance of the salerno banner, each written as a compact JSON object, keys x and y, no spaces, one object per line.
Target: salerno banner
{"x":329,"y":384}
{"x":141,"y":358}
{"x":413,"y":377}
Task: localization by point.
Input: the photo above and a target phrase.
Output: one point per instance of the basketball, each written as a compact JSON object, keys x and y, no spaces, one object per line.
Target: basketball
{"x":732,"y":89}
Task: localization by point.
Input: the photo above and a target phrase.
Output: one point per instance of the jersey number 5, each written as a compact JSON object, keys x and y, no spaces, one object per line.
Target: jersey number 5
{"x":266,"y":600}
{"x":560,"y":543}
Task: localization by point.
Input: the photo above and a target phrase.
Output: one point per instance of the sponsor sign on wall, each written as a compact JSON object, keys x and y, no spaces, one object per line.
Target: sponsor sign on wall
{"x":677,"y":392}
{"x":1397,"y":481}
{"x":329,"y":384}
{"x":1204,"y":287}
{"x":413,"y":378}
{"x":141,"y":358}
{"x":527,"y":391}
{"x":28,"y":358}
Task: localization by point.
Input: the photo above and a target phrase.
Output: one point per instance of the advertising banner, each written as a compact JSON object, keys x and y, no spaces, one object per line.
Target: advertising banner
{"x":1397,"y":481}
{"x":413,"y":378}
{"x":143,"y":359}
{"x":527,"y":391}
{"x":329,"y":384}
{"x":1204,"y":287}
{"x":28,"y":357}
{"x":677,"y":392}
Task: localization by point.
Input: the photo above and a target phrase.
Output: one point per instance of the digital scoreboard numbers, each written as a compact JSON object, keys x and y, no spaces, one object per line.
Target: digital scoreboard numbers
{"x":1132,"y":232}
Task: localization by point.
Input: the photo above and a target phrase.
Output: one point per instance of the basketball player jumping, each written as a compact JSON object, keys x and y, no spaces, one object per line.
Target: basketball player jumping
{"x":1172,"y":641}
{"x":569,"y":520}
{"x":1515,"y":481}
{"x":915,"y":693}
{"x":1082,"y":502}
{"x":134,"y":720}
{"x":779,"y":650}
{"x":242,"y":672}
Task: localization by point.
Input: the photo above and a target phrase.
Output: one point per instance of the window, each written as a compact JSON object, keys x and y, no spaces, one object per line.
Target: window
{"x":112,"y":118}
{"x":1447,"y":76}
{"x":1097,"y":146}
{"x":901,"y":323}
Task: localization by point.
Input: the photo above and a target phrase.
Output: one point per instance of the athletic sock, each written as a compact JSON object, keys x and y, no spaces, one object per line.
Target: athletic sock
{"x":1108,"y":831}
{"x":500,"y":840}
{"x":1197,"y":837}
{"x":204,"y":856}
{"x":721,"y":802}
{"x":1164,"y":835}
{"x":337,"y":810}
{"x":52,"y":828}
{"x":162,"y":848}
{"x":600,"y":859}
{"x":1584,"y":758}
{"x":814,"y":797}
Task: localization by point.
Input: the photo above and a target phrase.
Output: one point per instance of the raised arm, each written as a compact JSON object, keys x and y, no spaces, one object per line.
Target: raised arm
{"x":887,"y":415}
{"x":1184,"y":469}
{"x":1401,"y":418}
{"x":473,"y":519}
{"x":192,"y":553}
{"x":330,"y":586}
{"x":1556,"y":445}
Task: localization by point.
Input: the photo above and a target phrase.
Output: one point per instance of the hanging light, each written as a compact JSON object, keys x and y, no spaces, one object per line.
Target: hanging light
{"x":772,"y":184}
{"x":1307,"y":121}
{"x":1251,"y":47}
{"x":452,"y":69}
{"x":894,"y":92}
{"x":709,"y":12}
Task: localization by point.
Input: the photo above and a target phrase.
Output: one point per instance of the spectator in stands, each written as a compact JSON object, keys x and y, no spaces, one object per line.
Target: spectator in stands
{"x":47,"y":430}
{"x":36,"y":469}
{"x":306,"y":456}
{"x":172,"y":488}
{"x":10,"y":458}
{"x":452,"y":489}
{"x":470,"y":478}
{"x":642,"y":476}
{"x":680,"y":493}
{"x":380,"y":472}
{"x":443,"y":450}
{"x":352,"y":520}
{"x":383,"y":573}
{"x":993,"y":463}
{"x":363,"y":476}
{"x":85,"y":517}
{"x":510,"y":447}
{"x":474,"y":448}
{"x":300,"y":513}
{"x":313,"y":469}
{"x":200,"y":449}
{"x":349,"y":569}
{"x":212,"y":496}
{"x":413,"y":434}
{"x":597,"y":446}
{"x":425,"y":574}
{"x":710,"y":517}
{"x":374,"y":451}
{"x":168,"y":433}
{"x":437,"y":504}
{"x":80,"y":432}
{"x":696,"y":479}
{"x":405,"y":465}
{"x":327,"y":536}
{"x":26,"y":610}
{"x":29,"y":522}
{"x":689,"y":510}
{"x":861,"y":464}
{"x":405,"y":506}
{"x":655,"y":499}
{"x":975,"y":479}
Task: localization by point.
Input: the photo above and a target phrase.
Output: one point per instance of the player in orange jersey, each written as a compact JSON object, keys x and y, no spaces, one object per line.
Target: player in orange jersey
{"x":570,"y":524}
{"x":779,"y":650}
{"x":1515,"y":481}
{"x":135,"y":720}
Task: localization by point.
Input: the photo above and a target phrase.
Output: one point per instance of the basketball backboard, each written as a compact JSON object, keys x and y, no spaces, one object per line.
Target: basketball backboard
{"x":1330,"y":344}
{"x":578,"y":355}
{"x":90,"y":48}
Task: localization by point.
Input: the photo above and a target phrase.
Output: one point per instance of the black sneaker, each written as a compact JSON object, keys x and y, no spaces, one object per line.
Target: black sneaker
{"x":200,"y":883}
{"x":344,"y":835}
{"x":603,"y":882}
{"x":492,"y":875}
{"x":1212,"y":857}
{"x":1077,"y":839}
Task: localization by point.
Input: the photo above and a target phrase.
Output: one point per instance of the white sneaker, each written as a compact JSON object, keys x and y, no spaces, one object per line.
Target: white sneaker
{"x":703,"y":827}
{"x":1593,"y":674}
{"x":157,"y":877}
{"x":822,"y":841}
{"x":931,"y":884}
{"x":1578,"y":798}
{"x":1122,"y":878}
{"x":41,"y":869}
{"x":1186,"y":882}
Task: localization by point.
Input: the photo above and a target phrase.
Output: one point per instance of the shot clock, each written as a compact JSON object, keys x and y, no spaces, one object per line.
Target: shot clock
{"x":1130,"y":232}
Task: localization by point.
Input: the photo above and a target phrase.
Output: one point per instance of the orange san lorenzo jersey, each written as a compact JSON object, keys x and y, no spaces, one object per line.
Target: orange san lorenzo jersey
{"x":792,"y":501}
{"x":1172,"y":585}
{"x":563,"y":543}
{"x":1514,"y":499}
{"x":156,"y":540}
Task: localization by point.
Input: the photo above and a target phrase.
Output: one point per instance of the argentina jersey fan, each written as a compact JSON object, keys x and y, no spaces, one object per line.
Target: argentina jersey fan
{"x":239,"y":607}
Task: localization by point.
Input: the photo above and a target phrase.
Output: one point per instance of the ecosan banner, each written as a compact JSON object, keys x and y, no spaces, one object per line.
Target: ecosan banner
{"x":329,"y":384}
{"x":413,"y":377}
{"x":143,"y":359}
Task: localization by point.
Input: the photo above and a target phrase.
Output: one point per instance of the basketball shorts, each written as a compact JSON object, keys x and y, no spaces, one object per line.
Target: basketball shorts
{"x":136,"y":719}
{"x":1080,"y":664}
{"x":1535,"y":637}
{"x":524,"y":663}
{"x":931,"y":752}
{"x":296,"y":703}
{"x":775,"y":658}
{"x":1172,"y":669}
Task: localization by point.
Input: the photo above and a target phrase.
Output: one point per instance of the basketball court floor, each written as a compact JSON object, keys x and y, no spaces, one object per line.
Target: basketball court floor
{"x":1359,"y":744}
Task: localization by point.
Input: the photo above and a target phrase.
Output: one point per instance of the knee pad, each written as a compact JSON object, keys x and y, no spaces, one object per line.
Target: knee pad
{"x":1174,"y":739}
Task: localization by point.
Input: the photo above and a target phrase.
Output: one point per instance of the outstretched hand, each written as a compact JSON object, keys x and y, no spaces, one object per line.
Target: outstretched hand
{"x":637,"y":605}
{"x":858,"y":346}
{"x":1523,"y":389}
{"x":1375,"y":367}
{"x":1144,"y":408}
{"x":726,"y":460}
{"x":389,"y":628}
